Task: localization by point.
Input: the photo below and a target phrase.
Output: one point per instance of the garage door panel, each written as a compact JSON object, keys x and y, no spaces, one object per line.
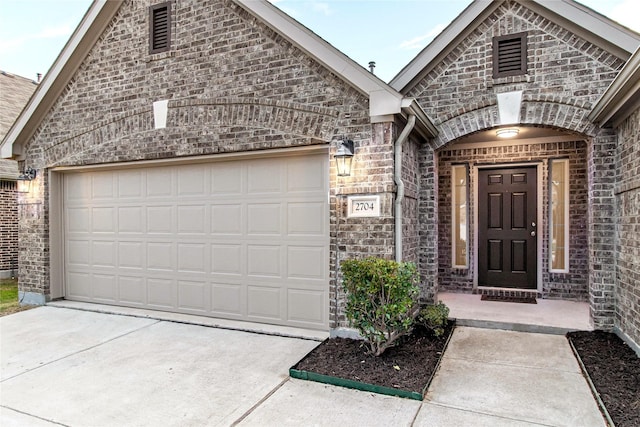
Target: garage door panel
{"x":103,"y":253}
{"x":159,"y":183}
{"x":104,"y":288}
{"x":226,"y":219}
{"x":226,"y":180}
{"x":131,"y":219}
{"x":264,"y":260}
{"x":306,"y":174}
{"x":305,"y":218}
{"x":191,"y":219}
{"x":264,"y":302}
{"x":192,"y":296}
{"x":102,"y":186}
{"x":227,"y":298}
{"x":159,"y":219}
{"x":227,"y":259}
{"x":131,"y":255}
{"x":306,"y":262}
{"x":103,"y":220}
{"x":264,"y":218}
{"x":78,"y":253}
{"x":161,"y":293}
{"x":130,"y":184}
{"x":160,"y":256}
{"x":77,"y":187}
{"x":192,"y":180}
{"x":241,"y":239}
{"x":264,"y":178}
{"x":191,"y":258}
{"x":306,"y":306}
{"x":78,"y":220}
{"x":78,"y":285}
{"x":132,"y":290}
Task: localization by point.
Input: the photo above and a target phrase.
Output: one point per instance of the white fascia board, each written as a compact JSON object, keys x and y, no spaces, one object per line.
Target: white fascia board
{"x":621,"y":95}
{"x":440,"y":43}
{"x":382,"y":98}
{"x":54,"y":80}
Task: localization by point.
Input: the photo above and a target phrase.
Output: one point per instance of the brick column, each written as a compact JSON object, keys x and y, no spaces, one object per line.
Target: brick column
{"x":428,"y":214}
{"x":602,"y":176}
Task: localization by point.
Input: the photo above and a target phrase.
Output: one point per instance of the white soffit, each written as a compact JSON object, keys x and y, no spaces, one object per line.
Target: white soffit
{"x":383,"y":99}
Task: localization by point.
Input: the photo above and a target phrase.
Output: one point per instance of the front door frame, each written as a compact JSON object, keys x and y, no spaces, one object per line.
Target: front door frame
{"x":541,"y":225}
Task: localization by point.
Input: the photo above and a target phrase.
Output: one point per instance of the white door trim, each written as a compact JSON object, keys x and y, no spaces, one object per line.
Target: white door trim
{"x":540,"y":229}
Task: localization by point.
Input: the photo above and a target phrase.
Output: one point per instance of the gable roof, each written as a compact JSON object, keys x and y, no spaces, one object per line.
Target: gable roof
{"x":383,"y":99}
{"x":579,"y":19}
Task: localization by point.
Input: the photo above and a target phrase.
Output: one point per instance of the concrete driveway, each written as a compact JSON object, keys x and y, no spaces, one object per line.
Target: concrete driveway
{"x":77,"y":368}
{"x":62,"y":366}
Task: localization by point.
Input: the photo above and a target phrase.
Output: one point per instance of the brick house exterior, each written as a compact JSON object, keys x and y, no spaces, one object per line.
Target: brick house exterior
{"x":242,"y":77}
{"x":15,"y":91}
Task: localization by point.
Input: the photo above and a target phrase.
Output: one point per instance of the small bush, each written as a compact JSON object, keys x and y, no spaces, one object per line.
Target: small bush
{"x":381,"y":296}
{"x":434,"y":318}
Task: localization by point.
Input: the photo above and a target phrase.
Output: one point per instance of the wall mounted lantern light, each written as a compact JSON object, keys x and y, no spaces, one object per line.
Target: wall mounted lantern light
{"x":507,"y":132}
{"x":344,"y":157}
{"x":25,"y":179}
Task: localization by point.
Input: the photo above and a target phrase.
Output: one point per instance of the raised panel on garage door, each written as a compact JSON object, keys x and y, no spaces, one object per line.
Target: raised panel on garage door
{"x":240,"y":239}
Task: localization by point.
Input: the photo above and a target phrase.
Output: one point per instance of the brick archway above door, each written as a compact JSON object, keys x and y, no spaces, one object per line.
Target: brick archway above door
{"x":567,"y":118}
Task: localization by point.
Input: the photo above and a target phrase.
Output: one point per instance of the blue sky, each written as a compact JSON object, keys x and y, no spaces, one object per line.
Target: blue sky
{"x":390,"y":32}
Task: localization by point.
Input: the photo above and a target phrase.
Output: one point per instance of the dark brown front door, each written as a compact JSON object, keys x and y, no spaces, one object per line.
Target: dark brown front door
{"x":507,"y":216}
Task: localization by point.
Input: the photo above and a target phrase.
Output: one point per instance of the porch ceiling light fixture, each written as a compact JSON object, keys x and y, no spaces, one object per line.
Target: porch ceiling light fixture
{"x":24,"y":180}
{"x":344,"y":157}
{"x":507,"y":132}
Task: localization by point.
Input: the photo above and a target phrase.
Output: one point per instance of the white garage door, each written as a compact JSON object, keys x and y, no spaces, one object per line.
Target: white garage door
{"x":242,"y":239}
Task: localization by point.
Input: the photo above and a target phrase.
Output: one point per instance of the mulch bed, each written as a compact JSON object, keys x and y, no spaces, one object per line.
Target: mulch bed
{"x":416,"y":356}
{"x":614,"y":369}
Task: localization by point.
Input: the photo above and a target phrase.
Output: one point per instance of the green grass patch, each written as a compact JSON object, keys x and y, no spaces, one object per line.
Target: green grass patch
{"x":9,"y":297}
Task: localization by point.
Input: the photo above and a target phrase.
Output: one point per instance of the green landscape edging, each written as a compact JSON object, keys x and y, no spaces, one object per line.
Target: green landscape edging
{"x":327,"y":379}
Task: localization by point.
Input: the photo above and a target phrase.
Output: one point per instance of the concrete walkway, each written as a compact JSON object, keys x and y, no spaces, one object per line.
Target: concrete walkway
{"x":68,"y":367}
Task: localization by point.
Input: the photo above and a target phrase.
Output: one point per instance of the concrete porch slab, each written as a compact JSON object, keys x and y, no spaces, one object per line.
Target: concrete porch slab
{"x":547,"y":316}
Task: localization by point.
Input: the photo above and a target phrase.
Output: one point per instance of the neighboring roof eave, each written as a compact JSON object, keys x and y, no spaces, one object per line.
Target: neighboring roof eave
{"x":621,"y":98}
{"x":383,"y":99}
{"x":586,"y":23}
{"x":93,"y":23}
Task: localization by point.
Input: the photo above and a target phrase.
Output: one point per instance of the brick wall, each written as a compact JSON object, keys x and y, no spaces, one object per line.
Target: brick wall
{"x":8,"y":228}
{"x":628,"y":227}
{"x":233,"y":85}
{"x":566,"y":75}
{"x":572,"y":285}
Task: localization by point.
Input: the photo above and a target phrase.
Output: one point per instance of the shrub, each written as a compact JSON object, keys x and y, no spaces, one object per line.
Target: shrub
{"x":381,"y":296}
{"x":434,"y":318}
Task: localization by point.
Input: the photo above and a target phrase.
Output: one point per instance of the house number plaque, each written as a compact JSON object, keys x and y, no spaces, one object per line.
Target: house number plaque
{"x":363,"y":206}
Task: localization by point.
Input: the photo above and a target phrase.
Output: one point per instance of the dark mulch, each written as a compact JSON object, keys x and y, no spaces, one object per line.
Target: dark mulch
{"x":614,"y":369}
{"x":416,"y":356}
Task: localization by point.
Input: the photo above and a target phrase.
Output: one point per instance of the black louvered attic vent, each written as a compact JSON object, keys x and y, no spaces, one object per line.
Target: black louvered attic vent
{"x":510,"y":55}
{"x":160,"y":28}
